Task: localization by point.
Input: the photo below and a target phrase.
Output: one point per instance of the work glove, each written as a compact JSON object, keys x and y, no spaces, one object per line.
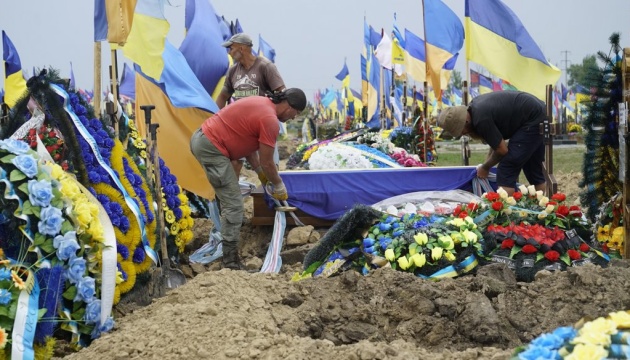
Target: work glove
{"x":279,"y":192}
{"x":261,"y":176}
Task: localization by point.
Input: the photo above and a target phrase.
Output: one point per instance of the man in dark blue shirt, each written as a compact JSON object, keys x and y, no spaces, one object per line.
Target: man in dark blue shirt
{"x":496,"y":117}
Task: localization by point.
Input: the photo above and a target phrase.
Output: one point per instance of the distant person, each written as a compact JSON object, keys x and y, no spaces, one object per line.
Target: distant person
{"x":496,"y":117}
{"x":250,"y":75}
{"x":247,"y":128}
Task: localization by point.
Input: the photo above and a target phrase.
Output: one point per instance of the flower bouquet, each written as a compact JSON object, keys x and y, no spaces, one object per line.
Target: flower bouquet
{"x":608,"y":227}
{"x":602,"y":338}
{"x":52,"y":140}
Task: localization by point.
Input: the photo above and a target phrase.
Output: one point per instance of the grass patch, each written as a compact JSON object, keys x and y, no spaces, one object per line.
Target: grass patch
{"x":565,"y":159}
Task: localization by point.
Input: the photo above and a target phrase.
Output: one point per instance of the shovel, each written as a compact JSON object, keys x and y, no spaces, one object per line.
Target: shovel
{"x":172,"y":277}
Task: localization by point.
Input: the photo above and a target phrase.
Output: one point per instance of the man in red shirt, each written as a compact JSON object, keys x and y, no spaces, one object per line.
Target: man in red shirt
{"x":246,"y":128}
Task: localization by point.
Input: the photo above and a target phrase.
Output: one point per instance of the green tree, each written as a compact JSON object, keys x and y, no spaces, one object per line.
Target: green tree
{"x":456,"y":81}
{"x":585,"y":74}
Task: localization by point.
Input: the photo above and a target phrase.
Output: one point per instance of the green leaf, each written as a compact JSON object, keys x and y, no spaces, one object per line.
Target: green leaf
{"x":48,"y":247}
{"x":78,"y":315}
{"x":85,"y":329}
{"x":376,"y":231}
{"x":70,"y":293}
{"x":4,"y":311}
{"x":7,"y":159}
{"x":41,"y":313}
{"x":36,"y":211}
{"x":57,"y":202}
{"x":66,"y":226}
{"x":565,"y":258}
{"x":515,"y":250}
{"x":463,"y":244}
{"x":27,"y":208}
{"x":413,"y":246}
{"x":23,"y":188}
{"x":16,"y":175}
{"x":39,"y":239}
{"x":539,"y":256}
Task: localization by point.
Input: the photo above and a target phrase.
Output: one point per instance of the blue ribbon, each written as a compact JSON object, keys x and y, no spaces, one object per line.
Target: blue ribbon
{"x":22,"y":346}
{"x":454,"y":270}
{"x":82,"y":131}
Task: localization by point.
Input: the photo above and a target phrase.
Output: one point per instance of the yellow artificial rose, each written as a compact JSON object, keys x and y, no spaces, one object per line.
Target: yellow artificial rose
{"x":592,"y":338}
{"x":436,"y":253}
{"x":542,"y":215}
{"x":70,"y":189}
{"x":549,"y":209}
{"x":412,"y":250}
{"x":421,"y":238}
{"x":543,"y":201}
{"x":82,"y":212}
{"x":449,"y":256}
{"x":56,"y":172}
{"x":507,"y":211}
{"x":96,"y":231}
{"x":587,"y":352}
{"x":522,"y":213}
{"x":470,"y":222}
{"x":457,"y":237}
{"x":419,"y":260}
{"x":446,"y":242}
{"x":389,"y":255}
{"x":403,"y":263}
{"x":523,"y":189}
{"x":470,"y":236}
{"x":457,"y":222}
{"x":94,"y":209}
{"x":539,"y":194}
{"x":511,"y":201}
{"x":621,"y":318}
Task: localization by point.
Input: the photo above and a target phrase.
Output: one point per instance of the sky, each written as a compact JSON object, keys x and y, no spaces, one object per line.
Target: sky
{"x":311,"y":38}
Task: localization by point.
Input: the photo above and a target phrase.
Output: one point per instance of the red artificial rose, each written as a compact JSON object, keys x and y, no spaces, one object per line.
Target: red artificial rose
{"x":575,"y":211}
{"x":50,"y":149}
{"x":558,"y":197}
{"x":41,"y":136}
{"x":457,"y":210}
{"x":52,"y":134}
{"x":492,"y":196}
{"x":507,"y":244}
{"x":584,"y":247}
{"x":562,"y":211}
{"x":552,"y":255}
{"x":462,"y":215}
{"x":57,"y":157}
{"x":33,"y":144}
{"x":552,"y":203}
{"x":497,"y":205}
{"x":574,"y":254}
{"x":517,"y":195}
{"x":31,"y":132}
{"x":529,"y":249}
{"x":473,"y":206}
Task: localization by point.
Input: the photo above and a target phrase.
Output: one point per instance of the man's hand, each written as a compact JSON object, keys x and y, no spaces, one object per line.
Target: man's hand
{"x":482,"y":172}
{"x":280,"y":192}
{"x":261,"y":175}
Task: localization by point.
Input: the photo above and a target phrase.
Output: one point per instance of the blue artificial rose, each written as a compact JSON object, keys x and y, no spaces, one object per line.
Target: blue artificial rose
{"x":101,"y":328}
{"x":50,"y":221}
{"x":92,"y":312}
{"x":39,"y":192}
{"x":548,"y":341}
{"x":85,"y":290}
{"x":384,"y":227}
{"x":384,"y":242}
{"x":398,"y":233}
{"x":5,"y":274}
{"x":76,"y":269}
{"x":15,"y":146}
{"x":368,"y":242}
{"x":26,"y":164}
{"x":5,"y":296}
{"x":370,"y":249}
{"x":68,"y":246}
{"x":537,"y":352}
{"x":565,"y":333}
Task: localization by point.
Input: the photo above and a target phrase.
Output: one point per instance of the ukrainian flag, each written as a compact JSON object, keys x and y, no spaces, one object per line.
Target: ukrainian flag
{"x":265,"y":50}
{"x":496,"y":39}
{"x":415,"y":63}
{"x":14,"y":83}
{"x":373,"y":107}
{"x":113,"y":19}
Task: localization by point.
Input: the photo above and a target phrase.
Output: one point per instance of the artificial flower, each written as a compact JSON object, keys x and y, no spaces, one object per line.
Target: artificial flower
{"x":26,"y":164}
{"x":529,"y":249}
{"x":390,"y":255}
{"x":436,"y":253}
{"x":507,"y":244}
{"x":40,"y":192}
{"x":543,"y":201}
{"x":449,"y":256}
{"x":421,"y":238}
{"x":552,"y":255}
{"x":446,"y":242}
{"x":522,"y":189}
{"x":470,"y":236}
{"x":419,"y":260}
{"x":4,"y":337}
{"x":574,"y":254}
{"x":587,"y":352}
{"x":5,"y":296}
{"x":403,"y":263}
{"x":502,"y":193}
{"x":17,"y":280}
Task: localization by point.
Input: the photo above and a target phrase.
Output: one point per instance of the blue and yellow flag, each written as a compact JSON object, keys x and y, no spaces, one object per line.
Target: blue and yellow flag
{"x":265,"y":50}
{"x":344,"y":76}
{"x":444,"y":38}
{"x":14,"y":83}
{"x":202,"y":46}
{"x":373,"y":106}
{"x":113,"y":19}
{"x":485,"y":84}
{"x":146,"y":40}
{"x":496,"y":39}
{"x":415,"y":63}
{"x":128,"y":83}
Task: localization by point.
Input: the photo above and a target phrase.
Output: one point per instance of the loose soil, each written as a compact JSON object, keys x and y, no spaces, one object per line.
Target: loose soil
{"x":225,"y":314}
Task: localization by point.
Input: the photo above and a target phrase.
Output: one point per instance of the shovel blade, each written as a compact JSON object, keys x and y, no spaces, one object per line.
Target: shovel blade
{"x":173,"y":278}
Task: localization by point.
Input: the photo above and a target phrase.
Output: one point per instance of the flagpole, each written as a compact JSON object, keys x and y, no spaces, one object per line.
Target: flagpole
{"x":97,"y":79}
{"x":426,"y":82}
{"x":114,"y":81}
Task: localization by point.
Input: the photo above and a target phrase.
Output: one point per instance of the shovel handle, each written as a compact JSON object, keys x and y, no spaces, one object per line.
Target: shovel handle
{"x":155,"y":159}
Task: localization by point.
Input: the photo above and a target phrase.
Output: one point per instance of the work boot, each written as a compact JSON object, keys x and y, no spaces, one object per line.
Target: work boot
{"x":230,"y":256}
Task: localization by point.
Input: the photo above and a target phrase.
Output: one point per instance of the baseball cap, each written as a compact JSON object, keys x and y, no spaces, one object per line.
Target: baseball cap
{"x":452,"y":119}
{"x":239,"y":38}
